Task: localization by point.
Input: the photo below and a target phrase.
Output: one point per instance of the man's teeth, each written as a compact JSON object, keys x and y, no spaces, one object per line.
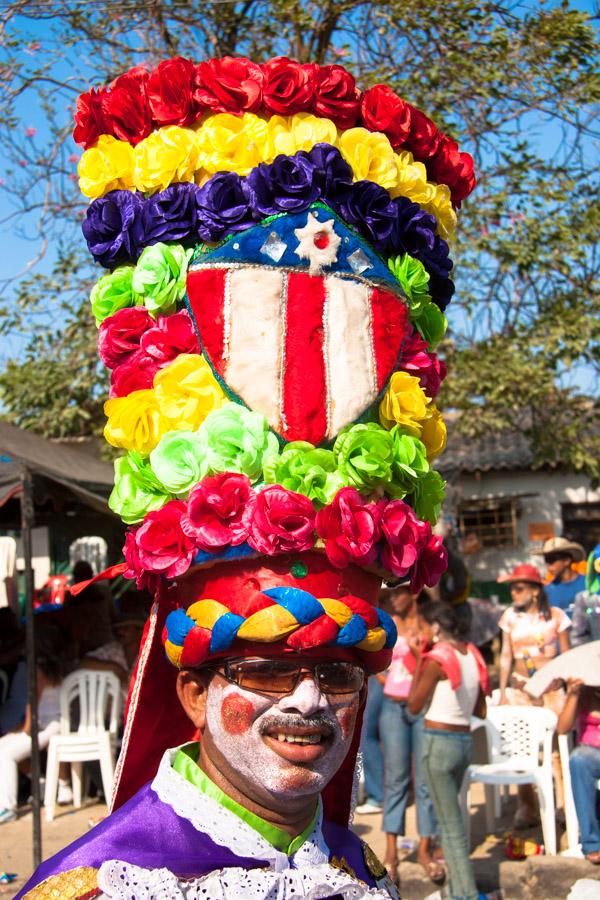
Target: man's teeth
{"x":300,"y":738}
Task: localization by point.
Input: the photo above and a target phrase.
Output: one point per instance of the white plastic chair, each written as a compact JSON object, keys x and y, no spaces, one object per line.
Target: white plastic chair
{"x":99,"y":697}
{"x":572,"y":822}
{"x":515,"y":736}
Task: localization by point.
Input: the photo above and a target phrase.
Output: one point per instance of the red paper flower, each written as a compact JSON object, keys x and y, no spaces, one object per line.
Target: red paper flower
{"x":229,"y":85}
{"x":280,"y":521}
{"x":404,"y":535}
{"x":137,"y":374}
{"x":288,"y":86}
{"x":424,"y":137}
{"x":170,"y":336}
{"x":336,"y":96}
{"x":162,"y":546}
{"x":418,"y":360}
{"x":431,"y":564}
{"x":143,"y":580}
{"x":125,"y":107}
{"x":450,"y":166}
{"x":215,"y":508}
{"x":89,"y":118}
{"x":383,"y":110}
{"x":119,"y":335}
{"x":169,"y":92}
{"x":350,"y":528}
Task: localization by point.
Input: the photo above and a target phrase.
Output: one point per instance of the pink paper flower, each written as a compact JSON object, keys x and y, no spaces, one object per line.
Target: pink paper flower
{"x":431,"y":564}
{"x":170,"y":336}
{"x":280,"y":521}
{"x":119,"y":335}
{"x":404,"y":536}
{"x":350,"y":528}
{"x":418,"y":360}
{"x":215,"y":508}
{"x":162,"y":546}
{"x":143,"y":580}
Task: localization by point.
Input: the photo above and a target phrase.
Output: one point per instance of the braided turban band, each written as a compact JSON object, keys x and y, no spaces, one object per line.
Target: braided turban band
{"x":209,"y":628}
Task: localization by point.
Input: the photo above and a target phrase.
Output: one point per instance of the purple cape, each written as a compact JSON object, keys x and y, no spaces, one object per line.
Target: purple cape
{"x":148,"y":833}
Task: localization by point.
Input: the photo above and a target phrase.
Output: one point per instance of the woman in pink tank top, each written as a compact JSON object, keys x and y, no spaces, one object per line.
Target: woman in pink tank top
{"x":582,"y":710}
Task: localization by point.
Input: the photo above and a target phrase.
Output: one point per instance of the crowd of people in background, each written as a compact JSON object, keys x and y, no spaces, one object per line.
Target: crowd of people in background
{"x":89,"y":630}
{"x":417,"y":725}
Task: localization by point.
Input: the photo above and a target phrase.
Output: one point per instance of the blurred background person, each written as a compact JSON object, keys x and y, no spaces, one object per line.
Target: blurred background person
{"x":582,"y":711}
{"x":402,"y":736}
{"x":449,"y":683}
{"x":533,"y":633}
{"x":559,"y":555}
{"x":13,"y":696}
{"x":585,"y":614}
{"x":54,"y":661}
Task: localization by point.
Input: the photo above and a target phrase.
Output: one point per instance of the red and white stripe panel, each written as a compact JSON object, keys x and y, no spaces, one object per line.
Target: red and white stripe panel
{"x":311,"y":353}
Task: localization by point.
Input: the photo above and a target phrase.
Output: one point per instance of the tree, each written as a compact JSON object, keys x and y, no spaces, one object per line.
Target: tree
{"x":516,"y":83}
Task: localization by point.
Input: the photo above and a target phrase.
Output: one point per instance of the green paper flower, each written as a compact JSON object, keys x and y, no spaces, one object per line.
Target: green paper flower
{"x":410,"y":462}
{"x":414,"y":280}
{"x":307,"y":470}
{"x":364,"y":455}
{"x":137,"y":490}
{"x":428,"y":496}
{"x":235,"y":439}
{"x":178,"y":461}
{"x":432,"y":324}
{"x":112,"y":292}
{"x":160,"y":276}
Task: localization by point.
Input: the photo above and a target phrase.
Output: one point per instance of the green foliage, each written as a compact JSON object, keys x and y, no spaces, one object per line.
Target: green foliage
{"x":517,"y":84}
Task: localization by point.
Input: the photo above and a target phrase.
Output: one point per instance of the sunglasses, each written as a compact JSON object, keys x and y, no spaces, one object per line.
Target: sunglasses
{"x":556,"y":557}
{"x":280,"y":677}
{"x":520,"y":588}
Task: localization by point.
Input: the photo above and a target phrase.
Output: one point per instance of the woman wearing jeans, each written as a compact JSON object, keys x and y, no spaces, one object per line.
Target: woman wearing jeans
{"x":401,"y":734}
{"x":451,"y":680}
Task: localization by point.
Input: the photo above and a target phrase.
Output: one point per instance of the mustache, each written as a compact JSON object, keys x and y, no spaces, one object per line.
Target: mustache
{"x":327,"y":722}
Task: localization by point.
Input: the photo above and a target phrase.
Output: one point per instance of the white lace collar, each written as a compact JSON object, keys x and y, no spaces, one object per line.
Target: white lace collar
{"x":227,"y":829}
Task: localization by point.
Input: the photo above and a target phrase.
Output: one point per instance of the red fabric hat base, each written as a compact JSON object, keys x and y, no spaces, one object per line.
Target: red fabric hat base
{"x":155,"y":719}
{"x":524,"y":572}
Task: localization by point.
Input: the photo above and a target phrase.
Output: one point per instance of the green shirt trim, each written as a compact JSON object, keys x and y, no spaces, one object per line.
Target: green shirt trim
{"x":186,"y":764}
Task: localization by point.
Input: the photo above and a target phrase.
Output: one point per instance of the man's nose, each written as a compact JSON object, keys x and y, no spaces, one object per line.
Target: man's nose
{"x":305,"y":699}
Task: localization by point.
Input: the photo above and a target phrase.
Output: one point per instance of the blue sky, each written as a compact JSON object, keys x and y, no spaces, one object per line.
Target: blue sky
{"x":21,"y":245}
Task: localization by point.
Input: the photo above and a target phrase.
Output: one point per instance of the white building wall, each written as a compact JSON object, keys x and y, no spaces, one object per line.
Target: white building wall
{"x":549,"y":490}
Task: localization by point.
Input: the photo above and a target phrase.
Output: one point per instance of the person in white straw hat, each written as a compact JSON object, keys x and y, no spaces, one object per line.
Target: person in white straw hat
{"x":559,"y":555}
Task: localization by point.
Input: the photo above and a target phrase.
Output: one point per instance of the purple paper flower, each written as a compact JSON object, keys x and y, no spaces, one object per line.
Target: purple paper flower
{"x":223,"y":207}
{"x":368,"y":207}
{"x":287,"y":185}
{"x":171,"y":215}
{"x":113,"y":227}
{"x":414,"y":229}
{"x":436,"y":259}
{"x":332,"y":174}
{"x":441,"y":290}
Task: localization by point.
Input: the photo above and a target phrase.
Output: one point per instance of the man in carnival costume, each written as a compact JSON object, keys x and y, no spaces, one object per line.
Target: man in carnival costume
{"x":277,"y":250}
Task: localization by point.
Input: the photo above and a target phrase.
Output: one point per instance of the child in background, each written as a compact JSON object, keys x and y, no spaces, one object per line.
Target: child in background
{"x":450,"y":683}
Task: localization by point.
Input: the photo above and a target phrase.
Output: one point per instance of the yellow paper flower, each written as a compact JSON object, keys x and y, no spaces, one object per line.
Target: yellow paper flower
{"x":370,"y":155}
{"x":106,"y":167}
{"x":166,"y":156}
{"x":441,"y":207}
{"x":404,"y":404}
{"x":186,"y":391}
{"x":229,"y":143}
{"x":411,"y":179}
{"x":433,"y":432}
{"x":134,"y":422}
{"x":288,"y":134}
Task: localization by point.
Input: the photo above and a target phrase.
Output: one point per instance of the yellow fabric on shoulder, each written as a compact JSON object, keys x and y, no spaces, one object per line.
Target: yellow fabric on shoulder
{"x":74,"y":884}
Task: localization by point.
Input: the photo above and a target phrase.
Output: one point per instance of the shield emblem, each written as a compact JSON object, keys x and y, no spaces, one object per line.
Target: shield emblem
{"x":310,"y":352}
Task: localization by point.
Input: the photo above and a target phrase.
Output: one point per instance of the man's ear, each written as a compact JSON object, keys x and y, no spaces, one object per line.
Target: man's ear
{"x":192,"y":690}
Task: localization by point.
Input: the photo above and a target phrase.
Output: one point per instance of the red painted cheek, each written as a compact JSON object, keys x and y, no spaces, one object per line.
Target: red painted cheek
{"x":347,"y":718}
{"x":236,"y":714}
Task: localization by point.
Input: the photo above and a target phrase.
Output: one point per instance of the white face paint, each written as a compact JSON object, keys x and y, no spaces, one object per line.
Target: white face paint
{"x":291,"y":744}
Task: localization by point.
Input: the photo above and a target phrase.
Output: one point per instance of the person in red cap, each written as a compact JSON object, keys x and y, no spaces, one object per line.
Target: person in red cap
{"x":277,"y":270}
{"x":533,"y":632}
